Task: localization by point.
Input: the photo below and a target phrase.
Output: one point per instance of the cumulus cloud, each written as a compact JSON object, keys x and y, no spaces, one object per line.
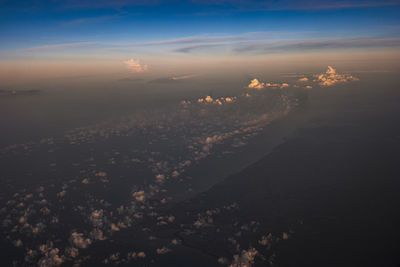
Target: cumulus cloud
{"x":135,"y":66}
{"x":331,"y":77}
{"x":255,"y":84}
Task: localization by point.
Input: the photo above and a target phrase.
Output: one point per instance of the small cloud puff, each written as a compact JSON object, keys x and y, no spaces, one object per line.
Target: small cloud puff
{"x":135,"y":66}
{"x":331,"y":77}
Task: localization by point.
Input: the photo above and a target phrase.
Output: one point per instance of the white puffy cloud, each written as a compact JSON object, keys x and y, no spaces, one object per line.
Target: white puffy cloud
{"x":134,"y":65}
{"x":331,"y":77}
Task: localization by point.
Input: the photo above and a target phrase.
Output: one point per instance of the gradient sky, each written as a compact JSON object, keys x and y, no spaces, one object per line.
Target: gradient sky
{"x":56,"y":38}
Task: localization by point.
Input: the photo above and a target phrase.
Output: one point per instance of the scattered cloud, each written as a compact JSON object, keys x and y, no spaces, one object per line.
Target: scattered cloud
{"x":134,"y":65}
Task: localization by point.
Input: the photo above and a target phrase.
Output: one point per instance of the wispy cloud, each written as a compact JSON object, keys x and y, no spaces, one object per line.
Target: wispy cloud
{"x":263,"y":42}
{"x":208,"y":39}
{"x":287,"y":45}
{"x":313,"y":44}
{"x":190,"y":48}
{"x":58,"y":46}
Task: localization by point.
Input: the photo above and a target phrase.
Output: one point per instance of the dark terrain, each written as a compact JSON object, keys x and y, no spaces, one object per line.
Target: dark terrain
{"x":335,"y":183}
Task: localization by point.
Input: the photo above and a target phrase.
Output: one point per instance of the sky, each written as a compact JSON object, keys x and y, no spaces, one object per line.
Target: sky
{"x":155,"y":38}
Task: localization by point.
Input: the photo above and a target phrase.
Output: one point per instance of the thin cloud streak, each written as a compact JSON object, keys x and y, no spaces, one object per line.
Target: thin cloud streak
{"x":58,"y":46}
{"x":314,"y":44}
{"x":243,"y":43}
{"x":285,"y":45}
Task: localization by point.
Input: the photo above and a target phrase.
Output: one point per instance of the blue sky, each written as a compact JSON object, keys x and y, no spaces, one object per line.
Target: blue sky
{"x":26,"y":24}
{"x":54,"y":30}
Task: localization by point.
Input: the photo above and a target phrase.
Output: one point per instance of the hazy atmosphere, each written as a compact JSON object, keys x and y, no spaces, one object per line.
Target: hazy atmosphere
{"x":199,"y":133}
